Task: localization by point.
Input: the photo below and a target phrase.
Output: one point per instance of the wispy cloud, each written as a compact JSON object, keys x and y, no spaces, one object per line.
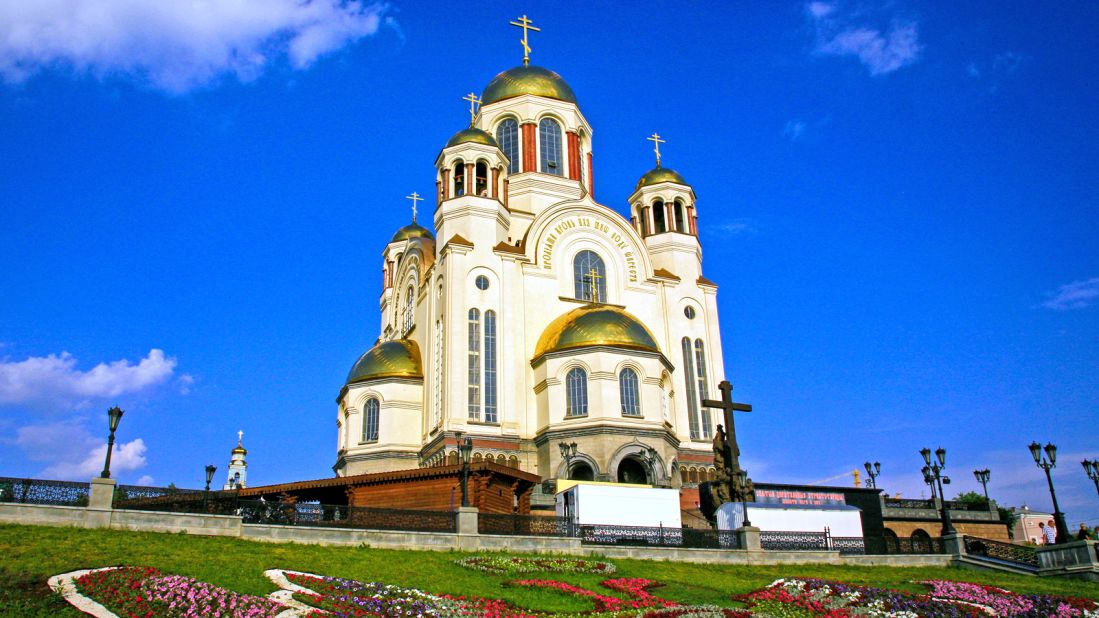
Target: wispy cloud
{"x":54,"y":380}
{"x":882,"y":49}
{"x":734,"y":227}
{"x":1075,"y":295}
{"x":176,"y":46}
{"x":71,"y":453}
{"x":794,"y":129}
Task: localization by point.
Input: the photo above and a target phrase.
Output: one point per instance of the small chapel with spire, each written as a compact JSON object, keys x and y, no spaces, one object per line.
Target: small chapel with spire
{"x":562,"y":337}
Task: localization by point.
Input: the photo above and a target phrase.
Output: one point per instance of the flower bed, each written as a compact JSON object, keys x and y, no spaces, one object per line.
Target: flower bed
{"x":504,"y":565}
{"x":1006,"y":603}
{"x":146,"y":593}
{"x":814,"y":597}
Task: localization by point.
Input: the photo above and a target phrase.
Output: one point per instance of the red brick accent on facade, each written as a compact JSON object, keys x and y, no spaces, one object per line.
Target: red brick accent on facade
{"x":495,"y":181}
{"x":591,"y":177}
{"x":530,"y":153}
{"x":446,"y":184}
{"x":574,"y":155}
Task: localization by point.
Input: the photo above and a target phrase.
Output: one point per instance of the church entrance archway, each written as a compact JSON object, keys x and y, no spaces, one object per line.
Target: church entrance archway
{"x":582,"y":472}
{"x":632,"y":471}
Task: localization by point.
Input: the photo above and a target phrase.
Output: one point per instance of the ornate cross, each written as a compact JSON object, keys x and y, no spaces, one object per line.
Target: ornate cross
{"x":655,"y":139}
{"x":415,"y":197}
{"x":240,"y":437}
{"x":473,"y":103}
{"x":593,"y":279}
{"x":728,"y":406}
{"x":525,"y":24}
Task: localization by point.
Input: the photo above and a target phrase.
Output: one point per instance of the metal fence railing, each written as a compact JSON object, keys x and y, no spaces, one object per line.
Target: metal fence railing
{"x":914,"y":503}
{"x":174,"y":500}
{"x":525,"y":525}
{"x":793,"y":541}
{"x":1023,"y":556}
{"x":41,"y":491}
{"x":311,"y":514}
{"x":657,"y":536}
{"x":894,"y":545}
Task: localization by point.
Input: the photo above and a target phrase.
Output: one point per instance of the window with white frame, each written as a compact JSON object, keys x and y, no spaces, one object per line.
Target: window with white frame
{"x":689,"y":393}
{"x":549,"y":138}
{"x":629,"y":392}
{"x":589,"y":277}
{"x":703,"y":391}
{"x":507,"y":135}
{"x":482,"y":363}
{"x":474,"y":345}
{"x":490,"y":366}
{"x":409,"y":308}
{"x":576,"y":392}
{"x":370,"y":420}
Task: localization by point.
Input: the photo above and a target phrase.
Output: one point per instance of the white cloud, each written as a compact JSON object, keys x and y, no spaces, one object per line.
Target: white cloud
{"x":55,"y":380}
{"x":734,"y":227}
{"x":127,"y":457}
{"x":794,"y":129}
{"x":881,"y":50}
{"x":71,"y":453}
{"x":176,"y":45}
{"x":1075,"y":295}
{"x":145,"y":480}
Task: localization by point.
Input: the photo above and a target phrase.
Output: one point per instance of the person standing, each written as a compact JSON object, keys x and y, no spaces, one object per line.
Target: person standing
{"x":1051,"y":533}
{"x":1084,"y":534}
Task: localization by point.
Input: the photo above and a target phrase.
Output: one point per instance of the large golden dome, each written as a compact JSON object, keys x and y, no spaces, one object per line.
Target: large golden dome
{"x":658,"y":175}
{"x":527,"y":80}
{"x":412,"y":230}
{"x":595,"y":325}
{"x":399,"y":358}
{"x":472,"y":135}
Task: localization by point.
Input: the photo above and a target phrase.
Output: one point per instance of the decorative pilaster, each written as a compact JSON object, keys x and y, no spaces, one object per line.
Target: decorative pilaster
{"x":530,"y":152}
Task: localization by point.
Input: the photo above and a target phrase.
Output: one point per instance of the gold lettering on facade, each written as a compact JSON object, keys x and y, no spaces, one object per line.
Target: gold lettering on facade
{"x":603,"y":228}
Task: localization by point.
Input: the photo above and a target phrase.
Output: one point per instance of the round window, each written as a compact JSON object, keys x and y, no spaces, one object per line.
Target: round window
{"x":689,"y":312}
{"x":481,"y":282}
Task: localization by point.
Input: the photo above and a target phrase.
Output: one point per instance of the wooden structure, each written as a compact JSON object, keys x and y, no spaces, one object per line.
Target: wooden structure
{"x":493,"y":489}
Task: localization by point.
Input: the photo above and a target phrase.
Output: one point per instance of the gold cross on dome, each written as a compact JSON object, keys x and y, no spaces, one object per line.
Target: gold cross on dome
{"x":473,"y":103}
{"x":415,"y":197}
{"x":525,"y":24}
{"x":593,"y":279}
{"x":655,"y":139}
{"x":240,"y":436}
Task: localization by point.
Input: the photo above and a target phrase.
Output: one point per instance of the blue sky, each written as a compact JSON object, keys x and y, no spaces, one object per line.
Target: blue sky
{"x":898,"y":201}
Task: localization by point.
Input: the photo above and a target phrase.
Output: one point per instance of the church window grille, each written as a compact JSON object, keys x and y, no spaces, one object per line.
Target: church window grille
{"x":703,"y":391}
{"x":474,"y":399}
{"x":490,"y":366}
{"x":692,"y":402}
{"x":481,"y":186}
{"x":507,"y":135}
{"x":370,"y":420}
{"x":459,"y":178}
{"x":587,"y":286}
{"x":409,"y":305}
{"x":680,"y":226}
{"x":576,"y":392}
{"x":549,"y":134}
{"x":658,"y":217}
{"x":628,"y":392}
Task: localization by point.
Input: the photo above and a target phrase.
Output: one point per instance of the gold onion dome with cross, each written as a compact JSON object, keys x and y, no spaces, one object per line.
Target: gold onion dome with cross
{"x":595,"y":325}
{"x":472,"y":135}
{"x":399,"y":358}
{"x":658,"y":175}
{"x":527,"y":80}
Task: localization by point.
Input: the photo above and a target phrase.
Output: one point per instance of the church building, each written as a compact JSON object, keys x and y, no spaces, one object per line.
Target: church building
{"x":564,"y":338}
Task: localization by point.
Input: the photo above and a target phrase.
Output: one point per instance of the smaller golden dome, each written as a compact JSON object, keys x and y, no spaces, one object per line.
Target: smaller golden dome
{"x":399,"y":358}
{"x":412,"y":230}
{"x":240,"y":449}
{"x":472,"y":135}
{"x":658,"y":175}
{"x":595,"y":325}
{"x":527,"y":80}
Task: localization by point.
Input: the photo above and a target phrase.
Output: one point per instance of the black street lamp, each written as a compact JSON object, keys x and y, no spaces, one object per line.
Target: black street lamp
{"x":210,"y":470}
{"x":1091,"y":467}
{"x":465,"y":450}
{"x":568,"y":451}
{"x":872,"y":471}
{"x":114,"y":415}
{"x":1047,"y":463}
{"x":982,"y":477}
{"x":932,"y":474}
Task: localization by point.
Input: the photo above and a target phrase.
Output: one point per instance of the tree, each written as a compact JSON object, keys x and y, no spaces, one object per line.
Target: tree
{"x":971,"y":497}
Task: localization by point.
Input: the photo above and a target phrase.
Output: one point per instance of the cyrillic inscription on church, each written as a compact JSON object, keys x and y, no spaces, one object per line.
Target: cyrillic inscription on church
{"x":591,"y":224}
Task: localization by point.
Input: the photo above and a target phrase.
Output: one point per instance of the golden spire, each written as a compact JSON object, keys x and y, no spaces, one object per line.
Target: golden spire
{"x":655,"y":139}
{"x":415,"y":197}
{"x":473,"y":103}
{"x":525,"y":24}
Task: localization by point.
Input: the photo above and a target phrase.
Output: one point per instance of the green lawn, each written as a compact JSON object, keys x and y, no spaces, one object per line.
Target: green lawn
{"x":30,"y":554}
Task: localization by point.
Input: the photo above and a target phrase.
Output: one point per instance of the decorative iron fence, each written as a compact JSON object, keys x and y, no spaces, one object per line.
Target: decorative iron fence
{"x":847,"y":545}
{"x":894,"y":545}
{"x":906,"y":503}
{"x":1020,"y":555}
{"x":310,"y":514}
{"x":657,"y":536}
{"x":531,"y":525}
{"x":793,"y":541}
{"x":40,"y":491}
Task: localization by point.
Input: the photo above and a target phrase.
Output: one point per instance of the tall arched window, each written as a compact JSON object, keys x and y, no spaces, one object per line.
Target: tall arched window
{"x":437,"y":379}
{"x":474,"y":343}
{"x":459,"y":178}
{"x":370,"y":420}
{"x":576,"y":392}
{"x":689,"y":376}
{"x":409,"y":305}
{"x":628,"y":392}
{"x":490,"y":366}
{"x":658,"y":217}
{"x":481,"y":185}
{"x":589,"y":277}
{"x":680,"y":226}
{"x":643,"y":215}
{"x":549,"y":137}
{"x":703,"y":391}
{"x":507,"y":135}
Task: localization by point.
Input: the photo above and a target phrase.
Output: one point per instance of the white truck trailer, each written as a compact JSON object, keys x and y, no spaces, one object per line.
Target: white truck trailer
{"x":614,"y":504}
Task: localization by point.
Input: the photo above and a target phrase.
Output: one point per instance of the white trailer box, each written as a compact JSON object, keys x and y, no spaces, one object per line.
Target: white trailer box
{"x":611,"y":504}
{"x":840,"y":519}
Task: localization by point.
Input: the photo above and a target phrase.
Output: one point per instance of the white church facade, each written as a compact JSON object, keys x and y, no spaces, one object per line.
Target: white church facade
{"x":536,"y":317}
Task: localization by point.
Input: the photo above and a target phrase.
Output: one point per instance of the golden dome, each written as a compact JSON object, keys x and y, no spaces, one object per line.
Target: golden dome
{"x":399,"y":358}
{"x":527,"y":80}
{"x":472,"y":135}
{"x":595,"y":325}
{"x":412,"y":230}
{"x":658,"y":175}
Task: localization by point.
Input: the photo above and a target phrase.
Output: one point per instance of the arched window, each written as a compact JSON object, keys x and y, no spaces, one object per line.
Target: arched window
{"x":370,"y":421}
{"x":658,"y":217}
{"x":689,"y":376}
{"x":643,"y":215}
{"x":513,"y":462}
{"x":589,"y":277}
{"x":490,"y":366}
{"x":459,"y":178}
{"x":476,"y":458}
{"x":474,"y":344}
{"x":549,"y":136}
{"x":703,"y":391}
{"x":680,"y":226}
{"x":481,"y":185}
{"x":628,"y":392}
{"x":507,"y":135}
{"x":576,"y":392}
{"x":409,"y":304}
